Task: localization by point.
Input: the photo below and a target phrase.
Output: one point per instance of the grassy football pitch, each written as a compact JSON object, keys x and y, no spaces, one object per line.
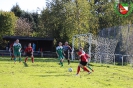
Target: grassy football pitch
{"x":47,"y":73}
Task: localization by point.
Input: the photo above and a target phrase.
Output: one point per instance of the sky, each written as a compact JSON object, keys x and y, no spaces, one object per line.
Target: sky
{"x":26,"y":5}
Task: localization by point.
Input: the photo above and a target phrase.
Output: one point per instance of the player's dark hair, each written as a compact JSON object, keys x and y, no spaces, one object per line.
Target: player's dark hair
{"x":81,"y":48}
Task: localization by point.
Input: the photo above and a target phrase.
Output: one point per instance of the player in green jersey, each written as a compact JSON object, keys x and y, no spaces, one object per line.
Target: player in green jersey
{"x":17,"y":50}
{"x":59,"y":52}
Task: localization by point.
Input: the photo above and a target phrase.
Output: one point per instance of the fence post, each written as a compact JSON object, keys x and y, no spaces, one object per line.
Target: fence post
{"x":114,"y":59}
{"x":122,"y":60}
{"x":131,"y":63}
{"x":41,"y":54}
{"x":73,"y":39}
{"x":100,"y":58}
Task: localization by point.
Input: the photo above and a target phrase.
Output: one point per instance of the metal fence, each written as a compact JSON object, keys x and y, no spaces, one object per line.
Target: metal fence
{"x":124,"y":36}
{"x":111,"y":45}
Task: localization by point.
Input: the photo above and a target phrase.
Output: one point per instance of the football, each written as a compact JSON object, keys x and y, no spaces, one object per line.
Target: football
{"x":70,"y":69}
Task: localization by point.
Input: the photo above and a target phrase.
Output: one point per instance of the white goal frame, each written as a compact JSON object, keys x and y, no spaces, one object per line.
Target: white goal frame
{"x":84,"y":37}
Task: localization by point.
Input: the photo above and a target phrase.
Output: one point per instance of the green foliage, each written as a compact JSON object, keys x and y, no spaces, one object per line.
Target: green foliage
{"x":7,"y":25}
{"x":62,"y":18}
{"x":17,"y":10}
{"x":32,"y":18}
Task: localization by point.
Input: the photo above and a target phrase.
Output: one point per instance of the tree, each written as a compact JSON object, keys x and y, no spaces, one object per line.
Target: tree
{"x":7,"y":25}
{"x":23,"y":27}
{"x":31,"y":17}
{"x":17,"y":10}
{"x":65,"y":18}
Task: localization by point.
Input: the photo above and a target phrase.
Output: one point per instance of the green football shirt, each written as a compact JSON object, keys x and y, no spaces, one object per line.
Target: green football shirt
{"x":59,"y":50}
{"x":17,"y":47}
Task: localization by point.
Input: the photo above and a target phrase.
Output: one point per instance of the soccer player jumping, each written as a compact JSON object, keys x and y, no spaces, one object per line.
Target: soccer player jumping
{"x":59,"y":52}
{"x":83,"y":61}
{"x":29,"y":53}
{"x":17,"y":50}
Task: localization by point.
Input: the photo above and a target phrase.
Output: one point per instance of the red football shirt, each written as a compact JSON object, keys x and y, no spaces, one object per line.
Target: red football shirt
{"x":28,"y":50}
{"x":11,"y":46}
{"x":84,"y":57}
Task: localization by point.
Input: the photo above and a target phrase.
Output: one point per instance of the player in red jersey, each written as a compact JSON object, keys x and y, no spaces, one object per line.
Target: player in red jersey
{"x":11,"y":51}
{"x":83,"y":57}
{"x":29,"y":53}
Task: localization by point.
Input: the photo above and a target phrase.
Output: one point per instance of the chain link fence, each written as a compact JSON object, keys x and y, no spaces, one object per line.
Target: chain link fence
{"x":124,"y":36}
{"x":112,"y":45}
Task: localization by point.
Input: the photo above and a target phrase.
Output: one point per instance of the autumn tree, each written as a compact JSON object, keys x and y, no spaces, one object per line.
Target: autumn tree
{"x":23,"y":27}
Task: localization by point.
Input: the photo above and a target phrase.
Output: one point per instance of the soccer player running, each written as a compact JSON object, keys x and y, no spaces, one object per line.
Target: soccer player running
{"x":29,"y":53}
{"x":87,"y":56}
{"x":60,"y":52}
{"x":83,"y":61}
{"x":17,"y":50}
{"x":67,"y":49}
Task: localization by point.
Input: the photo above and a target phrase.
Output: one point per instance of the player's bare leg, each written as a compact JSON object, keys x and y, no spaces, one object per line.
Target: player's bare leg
{"x":61,"y":62}
{"x":85,"y":68}
{"x":78,"y":69}
{"x":90,"y":68}
{"x":26,"y":59}
{"x":19,"y":59}
{"x":32,"y":59}
{"x":68,"y":61}
{"x":14,"y":59}
{"x":12,"y":56}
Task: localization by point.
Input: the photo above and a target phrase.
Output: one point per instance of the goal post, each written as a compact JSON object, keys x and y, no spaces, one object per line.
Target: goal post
{"x":100,"y":49}
{"x":81,"y":40}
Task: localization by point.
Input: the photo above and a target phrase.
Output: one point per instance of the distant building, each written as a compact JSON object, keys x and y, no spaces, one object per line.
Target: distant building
{"x":44,"y":44}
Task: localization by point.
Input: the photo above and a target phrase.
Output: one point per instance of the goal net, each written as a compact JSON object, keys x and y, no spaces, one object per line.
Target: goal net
{"x":100,"y":49}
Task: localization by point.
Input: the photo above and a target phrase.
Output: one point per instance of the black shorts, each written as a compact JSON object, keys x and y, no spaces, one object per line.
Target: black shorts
{"x":83,"y":63}
{"x":66,"y":55}
{"x":28,"y":54}
{"x":11,"y":51}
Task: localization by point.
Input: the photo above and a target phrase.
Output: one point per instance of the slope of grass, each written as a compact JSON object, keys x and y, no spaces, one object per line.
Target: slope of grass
{"x":46,"y":73}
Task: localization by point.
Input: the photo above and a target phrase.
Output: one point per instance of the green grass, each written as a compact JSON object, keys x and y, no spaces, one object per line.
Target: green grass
{"x":46,"y":73}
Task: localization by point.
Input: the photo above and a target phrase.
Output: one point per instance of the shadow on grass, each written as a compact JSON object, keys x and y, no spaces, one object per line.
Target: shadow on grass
{"x":48,"y":75}
{"x":105,"y":84}
{"x":102,"y":66}
{"x":5,"y":58}
{"x":46,"y":60}
{"x":25,"y":64}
